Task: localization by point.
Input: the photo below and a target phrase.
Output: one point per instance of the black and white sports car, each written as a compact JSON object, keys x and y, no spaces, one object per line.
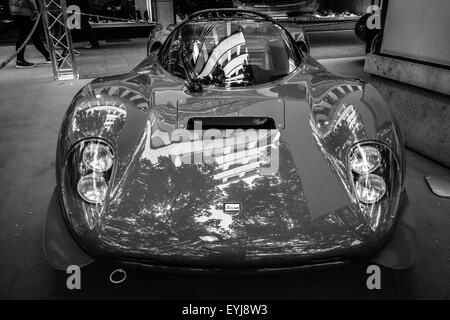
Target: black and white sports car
{"x":229,"y":148}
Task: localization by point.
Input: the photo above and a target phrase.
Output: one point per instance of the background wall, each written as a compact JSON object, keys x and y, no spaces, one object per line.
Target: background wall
{"x":419,"y":30}
{"x":164,"y":12}
{"x":423,"y":117}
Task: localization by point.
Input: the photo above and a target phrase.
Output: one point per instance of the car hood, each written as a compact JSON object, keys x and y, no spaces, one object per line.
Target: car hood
{"x":162,"y":202}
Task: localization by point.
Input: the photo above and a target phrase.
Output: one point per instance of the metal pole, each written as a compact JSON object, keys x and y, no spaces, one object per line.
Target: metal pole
{"x":69,"y":40}
{"x":59,"y":39}
{"x":150,"y":10}
{"x":51,"y":49}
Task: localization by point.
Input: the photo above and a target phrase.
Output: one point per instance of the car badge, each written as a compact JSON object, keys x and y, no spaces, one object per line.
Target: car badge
{"x":232,"y":207}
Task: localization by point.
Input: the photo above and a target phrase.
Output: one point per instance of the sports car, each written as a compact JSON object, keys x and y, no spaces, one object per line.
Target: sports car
{"x":229,"y":149}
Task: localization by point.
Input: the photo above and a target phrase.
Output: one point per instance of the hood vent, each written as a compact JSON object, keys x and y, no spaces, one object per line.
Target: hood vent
{"x":223,"y":123}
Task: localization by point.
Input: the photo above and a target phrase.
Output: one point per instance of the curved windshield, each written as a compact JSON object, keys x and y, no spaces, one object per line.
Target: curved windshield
{"x":229,"y":52}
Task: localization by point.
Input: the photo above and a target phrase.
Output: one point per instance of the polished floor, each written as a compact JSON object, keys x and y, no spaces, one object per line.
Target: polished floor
{"x":32,"y":106}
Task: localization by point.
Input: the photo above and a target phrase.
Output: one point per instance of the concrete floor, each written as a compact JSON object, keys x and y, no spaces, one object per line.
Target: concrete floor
{"x":32,"y":107}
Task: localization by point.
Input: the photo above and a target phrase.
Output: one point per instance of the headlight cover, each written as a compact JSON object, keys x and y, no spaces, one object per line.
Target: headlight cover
{"x":364,"y":159}
{"x":97,"y":157}
{"x":85,"y":181}
{"x":370,"y":188}
{"x":375,"y":175}
{"x":92,"y":188}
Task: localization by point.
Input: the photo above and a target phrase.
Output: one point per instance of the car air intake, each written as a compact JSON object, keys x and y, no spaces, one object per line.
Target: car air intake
{"x":222,"y":123}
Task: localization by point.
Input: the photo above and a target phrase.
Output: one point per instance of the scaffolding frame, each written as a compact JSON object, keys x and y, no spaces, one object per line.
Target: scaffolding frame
{"x":59,"y":39}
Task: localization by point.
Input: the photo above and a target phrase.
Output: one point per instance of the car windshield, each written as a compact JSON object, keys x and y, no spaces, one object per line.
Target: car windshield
{"x":232,"y":52}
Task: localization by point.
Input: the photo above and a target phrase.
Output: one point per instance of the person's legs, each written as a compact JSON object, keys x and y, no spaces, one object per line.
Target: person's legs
{"x":24,"y":30}
{"x":89,"y":33}
{"x":25,"y":26}
{"x":36,"y":38}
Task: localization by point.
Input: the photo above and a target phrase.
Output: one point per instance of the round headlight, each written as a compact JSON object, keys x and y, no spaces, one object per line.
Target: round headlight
{"x":364,"y":159}
{"x":92,"y":188}
{"x":370,"y":188}
{"x":97,"y":157}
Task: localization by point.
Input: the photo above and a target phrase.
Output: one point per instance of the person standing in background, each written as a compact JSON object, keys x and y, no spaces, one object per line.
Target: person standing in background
{"x":25,"y":14}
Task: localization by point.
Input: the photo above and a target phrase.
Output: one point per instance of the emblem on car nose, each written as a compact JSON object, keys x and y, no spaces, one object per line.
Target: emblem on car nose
{"x":232,"y":207}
